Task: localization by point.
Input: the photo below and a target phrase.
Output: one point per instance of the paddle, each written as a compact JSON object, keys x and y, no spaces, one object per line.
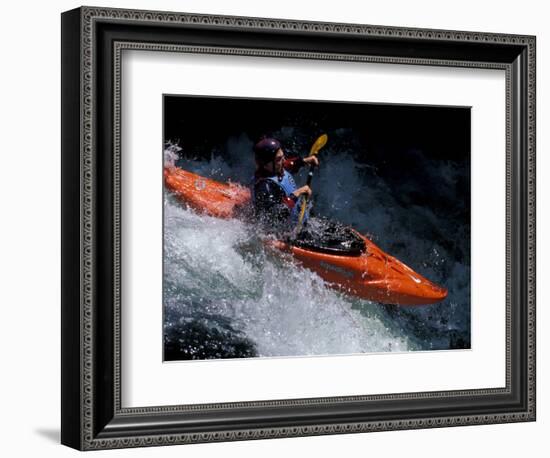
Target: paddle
{"x":319,"y":143}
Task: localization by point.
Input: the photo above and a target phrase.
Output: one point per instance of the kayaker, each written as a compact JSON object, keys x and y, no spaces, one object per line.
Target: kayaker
{"x":275,"y":193}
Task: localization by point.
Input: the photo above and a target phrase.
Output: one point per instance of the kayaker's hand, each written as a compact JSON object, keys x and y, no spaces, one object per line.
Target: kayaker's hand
{"x":311,"y":160}
{"x":303,"y":190}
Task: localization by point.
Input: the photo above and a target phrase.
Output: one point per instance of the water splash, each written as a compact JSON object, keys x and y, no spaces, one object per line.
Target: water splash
{"x":218,"y":272}
{"x":222,"y":286}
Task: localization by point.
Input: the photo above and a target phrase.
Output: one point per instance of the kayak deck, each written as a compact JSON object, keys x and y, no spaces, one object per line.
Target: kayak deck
{"x":374,"y":275}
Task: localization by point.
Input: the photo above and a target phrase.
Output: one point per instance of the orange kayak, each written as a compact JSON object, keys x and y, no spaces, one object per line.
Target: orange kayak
{"x":372,"y":275}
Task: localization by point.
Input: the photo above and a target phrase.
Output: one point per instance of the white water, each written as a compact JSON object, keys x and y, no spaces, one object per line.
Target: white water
{"x":219,"y":269}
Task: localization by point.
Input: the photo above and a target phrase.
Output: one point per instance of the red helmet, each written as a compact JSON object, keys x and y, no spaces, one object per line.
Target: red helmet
{"x":266,"y":149}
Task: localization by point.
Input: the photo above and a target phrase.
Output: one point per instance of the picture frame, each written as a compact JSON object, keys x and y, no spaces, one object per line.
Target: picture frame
{"x":93,"y":416}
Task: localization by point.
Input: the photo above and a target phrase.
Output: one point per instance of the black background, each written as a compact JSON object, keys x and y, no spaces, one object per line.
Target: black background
{"x":202,"y":124}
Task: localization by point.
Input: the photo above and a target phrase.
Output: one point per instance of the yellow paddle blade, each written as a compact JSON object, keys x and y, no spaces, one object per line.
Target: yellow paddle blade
{"x":319,"y":143}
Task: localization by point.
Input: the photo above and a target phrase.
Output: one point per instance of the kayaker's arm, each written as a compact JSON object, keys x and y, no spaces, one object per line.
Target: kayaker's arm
{"x":301,"y":191}
{"x":295,"y":163}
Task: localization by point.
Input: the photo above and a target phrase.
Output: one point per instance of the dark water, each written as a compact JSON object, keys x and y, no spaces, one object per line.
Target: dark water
{"x":225,"y":297}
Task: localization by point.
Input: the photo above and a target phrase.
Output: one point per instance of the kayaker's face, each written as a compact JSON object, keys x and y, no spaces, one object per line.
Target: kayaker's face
{"x":275,"y":167}
{"x":278,"y":161}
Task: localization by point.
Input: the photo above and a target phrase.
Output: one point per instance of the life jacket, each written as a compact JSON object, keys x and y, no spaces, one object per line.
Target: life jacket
{"x":288,"y":185}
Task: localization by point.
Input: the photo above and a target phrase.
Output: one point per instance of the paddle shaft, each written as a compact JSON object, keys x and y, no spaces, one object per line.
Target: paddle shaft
{"x":319,"y":143}
{"x":310,"y":175}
